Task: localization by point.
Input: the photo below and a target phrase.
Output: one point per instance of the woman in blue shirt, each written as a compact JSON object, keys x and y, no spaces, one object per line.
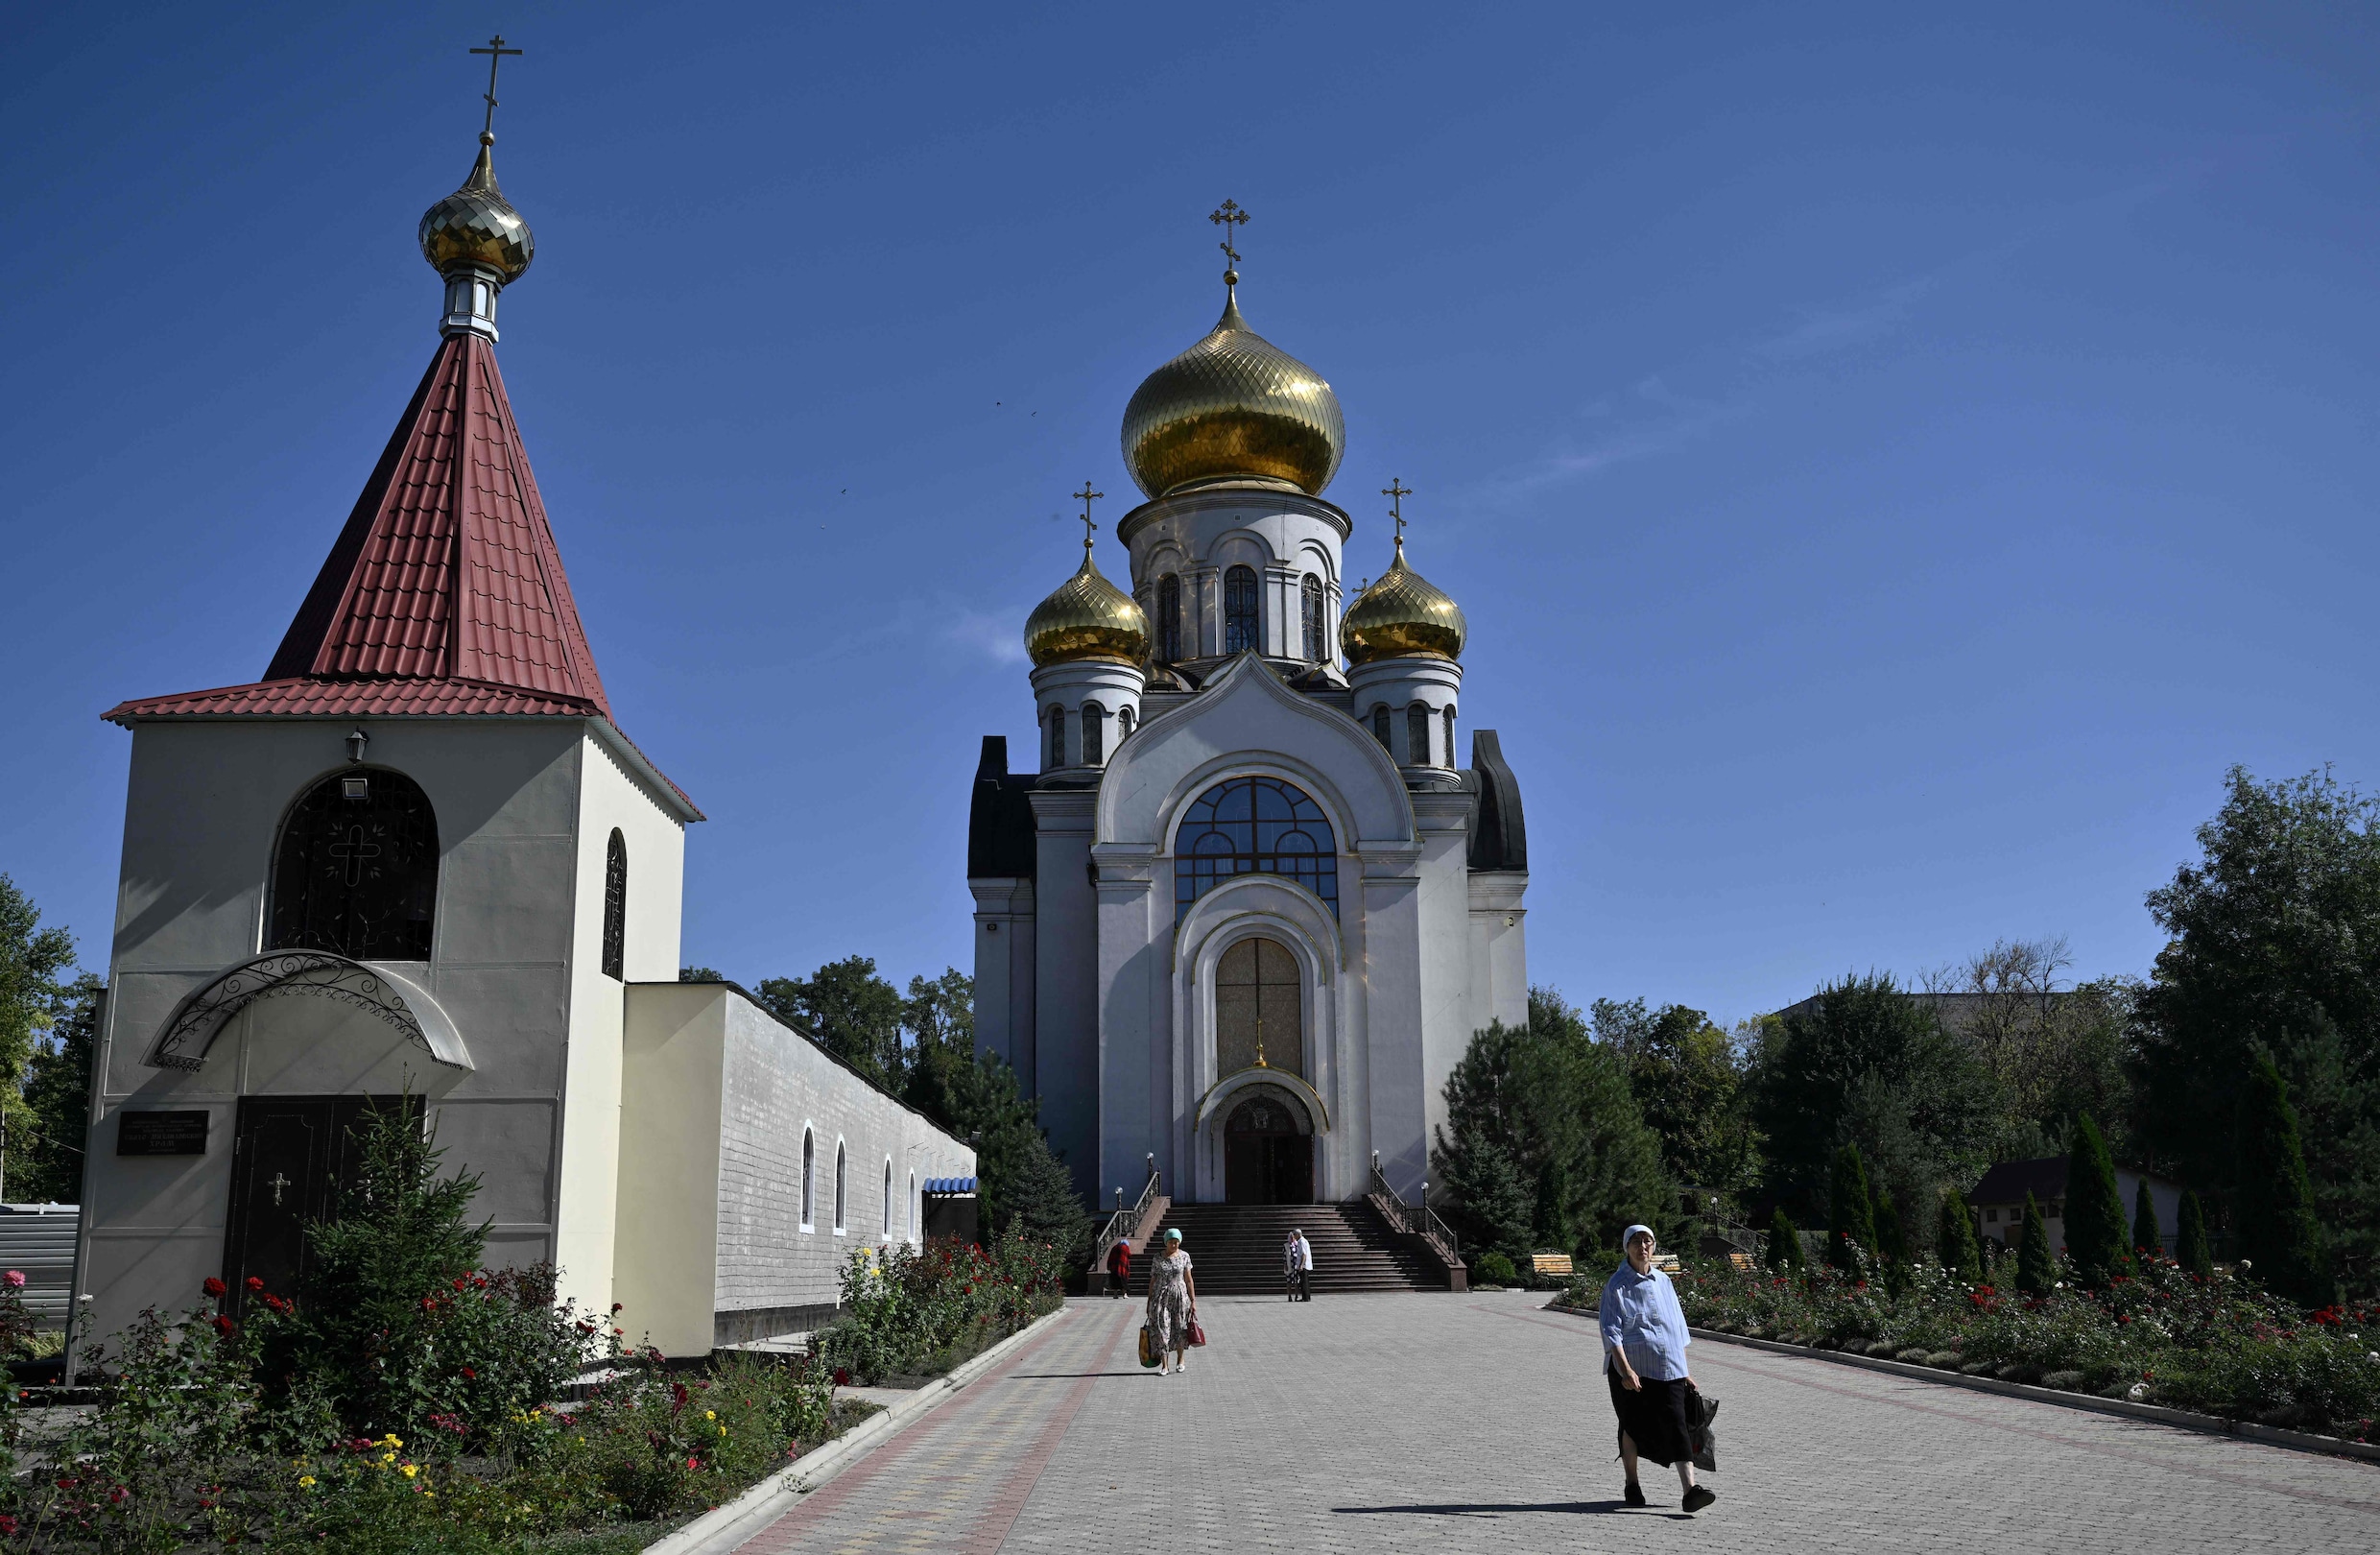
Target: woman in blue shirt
{"x":1644,"y":1342}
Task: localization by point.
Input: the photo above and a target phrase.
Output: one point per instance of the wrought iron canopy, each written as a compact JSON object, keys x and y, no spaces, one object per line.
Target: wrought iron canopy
{"x":181,"y":1042}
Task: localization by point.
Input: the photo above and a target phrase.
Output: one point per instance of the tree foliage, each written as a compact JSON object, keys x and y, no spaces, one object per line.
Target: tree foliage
{"x":2052,"y":1052}
{"x":1688,"y":1079}
{"x":1544,"y":1135}
{"x":45,"y":1152}
{"x":850,"y":1011}
{"x":2278,"y":1232}
{"x":2036,"y":1267}
{"x":1850,"y":1214}
{"x":2191,"y":1248}
{"x":2274,"y":951}
{"x":33,"y":960}
{"x":2146,"y":1237}
{"x":2095,"y":1233}
{"x":1784,"y":1249}
{"x":1953,"y":1238}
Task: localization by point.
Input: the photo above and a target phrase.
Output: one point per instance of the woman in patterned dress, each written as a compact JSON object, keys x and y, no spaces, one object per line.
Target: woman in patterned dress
{"x":1173,"y":1305}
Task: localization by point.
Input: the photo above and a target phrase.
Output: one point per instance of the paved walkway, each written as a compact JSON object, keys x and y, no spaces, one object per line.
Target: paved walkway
{"x":1479,"y":1423}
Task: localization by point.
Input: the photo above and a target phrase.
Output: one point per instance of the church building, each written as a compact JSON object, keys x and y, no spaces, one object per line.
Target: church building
{"x":1239,"y":920}
{"x":419,"y":863}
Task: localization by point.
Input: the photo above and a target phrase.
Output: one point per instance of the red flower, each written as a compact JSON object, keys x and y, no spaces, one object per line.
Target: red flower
{"x":694,"y":1464}
{"x":843,"y":1377}
{"x":213,"y":1286}
{"x":470,"y":1375}
{"x":254,"y":1282}
{"x":223,"y":1324}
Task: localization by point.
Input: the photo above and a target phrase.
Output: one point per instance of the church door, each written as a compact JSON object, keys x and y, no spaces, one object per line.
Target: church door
{"x":1265,"y":1160}
{"x":292,"y":1157}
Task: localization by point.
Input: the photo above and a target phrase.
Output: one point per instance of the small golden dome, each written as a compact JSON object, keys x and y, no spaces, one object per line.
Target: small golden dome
{"x":477,"y":226}
{"x":1402,"y":615}
{"x":1233,"y":404}
{"x":1088,"y":617}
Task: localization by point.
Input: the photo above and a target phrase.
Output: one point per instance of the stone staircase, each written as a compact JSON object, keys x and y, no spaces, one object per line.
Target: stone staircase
{"x":1235,"y":1249}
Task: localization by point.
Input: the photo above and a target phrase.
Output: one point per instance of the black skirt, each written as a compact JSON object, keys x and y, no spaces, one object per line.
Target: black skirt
{"x":1654,"y":1417}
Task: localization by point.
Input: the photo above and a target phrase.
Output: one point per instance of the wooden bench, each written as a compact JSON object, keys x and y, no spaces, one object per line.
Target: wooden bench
{"x":1551,"y":1263}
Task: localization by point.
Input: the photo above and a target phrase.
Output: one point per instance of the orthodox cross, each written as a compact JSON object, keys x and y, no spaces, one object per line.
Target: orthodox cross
{"x":277,"y":1184}
{"x":354,"y":852}
{"x":1396,"y":492}
{"x":496,"y":52}
{"x":1086,"y":496}
{"x":1228,"y":216}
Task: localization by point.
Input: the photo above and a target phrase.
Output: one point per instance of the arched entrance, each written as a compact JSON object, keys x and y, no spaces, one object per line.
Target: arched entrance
{"x":1268,"y":1150}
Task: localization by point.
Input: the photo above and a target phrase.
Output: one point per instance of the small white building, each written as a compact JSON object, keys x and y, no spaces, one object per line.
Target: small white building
{"x":419,"y":857}
{"x":1999,"y":1200}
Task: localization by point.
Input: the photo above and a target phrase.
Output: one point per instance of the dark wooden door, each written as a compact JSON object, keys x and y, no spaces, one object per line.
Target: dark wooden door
{"x":1265,"y":1159}
{"x":292,"y":1157}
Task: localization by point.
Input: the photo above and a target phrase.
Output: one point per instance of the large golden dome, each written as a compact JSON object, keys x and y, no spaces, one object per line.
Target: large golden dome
{"x":1087,"y":617}
{"x":477,"y":226}
{"x":1233,"y":404}
{"x":1402,"y":615}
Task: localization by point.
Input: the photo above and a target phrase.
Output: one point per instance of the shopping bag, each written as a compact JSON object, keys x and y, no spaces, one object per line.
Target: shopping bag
{"x":1197,"y":1335}
{"x":1148,"y":1347}
{"x":1701,"y":1410}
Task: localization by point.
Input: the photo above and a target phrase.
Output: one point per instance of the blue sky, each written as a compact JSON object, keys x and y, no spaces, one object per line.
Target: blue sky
{"x":1893,"y":464}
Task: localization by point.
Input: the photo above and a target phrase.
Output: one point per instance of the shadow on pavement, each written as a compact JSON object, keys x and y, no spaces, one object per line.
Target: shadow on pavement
{"x":1491,"y":1509}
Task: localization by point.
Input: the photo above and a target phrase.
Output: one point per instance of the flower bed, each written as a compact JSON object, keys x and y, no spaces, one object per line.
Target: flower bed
{"x":2217,"y":1344}
{"x":914,"y":1313}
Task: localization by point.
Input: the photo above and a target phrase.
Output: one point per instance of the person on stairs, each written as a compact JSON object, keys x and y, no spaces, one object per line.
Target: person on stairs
{"x":1173,"y":1305}
{"x":1120,"y":1269}
{"x":1645,"y":1340}
{"x":1305,"y":1267}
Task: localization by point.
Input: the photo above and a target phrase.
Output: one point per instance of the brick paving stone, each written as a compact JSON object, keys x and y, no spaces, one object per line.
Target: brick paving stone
{"x":1451,"y":1423}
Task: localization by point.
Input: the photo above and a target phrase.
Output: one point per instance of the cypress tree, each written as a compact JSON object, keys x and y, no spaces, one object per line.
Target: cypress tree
{"x":2277,"y":1231}
{"x":1784,"y":1249}
{"x":1892,"y":1246}
{"x":1955,"y":1242}
{"x":2095,"y":1234}
{"x":2190,"y":1245}
{"x":2035,"y":1270}
{"x":1851,"y":1215}
{"x":2147,"y":1240}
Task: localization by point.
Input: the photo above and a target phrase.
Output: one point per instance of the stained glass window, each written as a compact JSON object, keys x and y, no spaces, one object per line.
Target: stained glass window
{"x":1254,"y":826}
{"x":1417,"y":735}
{"x":1239,"y":610}
{"x":1316,"y":647}
{"x":1058,"y":740}
{"x":1094,"y":733}
{"x":1450,"y":737}
{"x":615,"y":906}
{"x":1380,"y":725}
{"x":1169,"y":618}
{"x":356,"y":873}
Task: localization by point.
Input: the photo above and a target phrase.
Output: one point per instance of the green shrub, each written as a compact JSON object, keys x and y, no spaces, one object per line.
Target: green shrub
{"x":2191,"y":1249}
{"x":919,"y":1311}
{"x":1954,"y":1242}
{"x":1784,"y":1249}
{"x":2095,"y":1233}
{"x":2277,"y":1231}
{"x":1492,"y":1268}
{"x":2147,"y":1240}
{"x":1851,"y":1216}
{"x":2037,"y":1270}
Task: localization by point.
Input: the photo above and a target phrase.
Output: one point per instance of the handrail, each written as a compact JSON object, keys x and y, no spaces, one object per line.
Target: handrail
{"x":1121,"y":1223}
{"x":1415,"y":1219}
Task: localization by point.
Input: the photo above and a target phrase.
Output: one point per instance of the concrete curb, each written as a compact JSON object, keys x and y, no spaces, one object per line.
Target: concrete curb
{"x":2187,"y":1420}
{"x":724,"y":1528}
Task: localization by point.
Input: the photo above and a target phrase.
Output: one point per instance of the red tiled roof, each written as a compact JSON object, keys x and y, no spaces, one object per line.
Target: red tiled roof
{"x":446,"y":569}
{"x":307,"y":697}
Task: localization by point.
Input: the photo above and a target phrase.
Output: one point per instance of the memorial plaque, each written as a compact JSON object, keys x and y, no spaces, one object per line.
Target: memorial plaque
{"x":162,"y":1134}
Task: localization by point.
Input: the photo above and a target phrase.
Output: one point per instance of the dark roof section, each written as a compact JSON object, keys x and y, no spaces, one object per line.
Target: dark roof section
{"x":1000,"y":832}
{"x":2010,"y":1180}
{"x":1499,"y":837}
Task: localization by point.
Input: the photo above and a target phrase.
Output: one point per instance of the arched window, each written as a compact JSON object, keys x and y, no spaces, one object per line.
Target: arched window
{"x":1058,"y":740}
{"x":1450,"y":737}
{"x":1123,"y":724}
{"x":809,"y":1180}
{"x":1169,"y":618}
{"x":615,"y":906}
{"x":1239,"y":610}
{"x":1260,"y":825}
{"x":1380,"y":725}
{"x":1417,"y":735}
{"x":356,"y":872}
{"x":1315,"y":646}
{"x":887,"y":1201}
{"x":841,"y":1178}
{"x":912,"y":1207}
{"x":1259,"y":1011}
{"x":1094,"y":733}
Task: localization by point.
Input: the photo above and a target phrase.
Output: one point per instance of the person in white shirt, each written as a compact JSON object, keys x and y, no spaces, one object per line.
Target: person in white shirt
{"x":1305,"y":1268}
{"x":1290,"y":1267}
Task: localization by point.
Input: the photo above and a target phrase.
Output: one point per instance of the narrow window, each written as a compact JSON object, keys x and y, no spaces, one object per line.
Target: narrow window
{"x":1380,"y":726}
{"x":1417,"y":735}
{"x":615,"y":906}
{"x":887,"y":1201}
{"x":809,"y":1180}
{"x":912,"y":1207}
{"x":1058,"y":740}
{"x":1094,"y":733}
{"x":1313,"y":618}
{"x":841,"y":1178}
{"x":1239,"y":611}
{"x":1450,"y":737}
{"x":1169,"y":617}
{"x":1123,"y":724}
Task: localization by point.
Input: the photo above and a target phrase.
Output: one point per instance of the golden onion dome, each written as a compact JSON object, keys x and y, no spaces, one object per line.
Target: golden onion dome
{"x":1233,"y":404}
{"x":1402,"y":615}
{"x":1087,"y":617}
{"x":477,"y":226}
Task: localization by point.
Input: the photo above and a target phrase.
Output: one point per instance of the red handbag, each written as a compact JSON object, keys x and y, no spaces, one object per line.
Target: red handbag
{"x":1197,"y":1335}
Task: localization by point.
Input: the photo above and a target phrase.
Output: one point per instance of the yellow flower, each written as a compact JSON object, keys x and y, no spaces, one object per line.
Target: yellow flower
{"x":387,"y":1457}
{"x":411,"y":1469}
{"x":710,"y":1414}
{"x":306,"y":1480}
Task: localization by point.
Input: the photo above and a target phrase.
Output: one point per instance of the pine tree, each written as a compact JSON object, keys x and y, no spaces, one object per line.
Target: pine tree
{"x":1891,"y":1245}
{"x":2035,"y":1270}
{"x":1852,"y":1217}
{"x":2190,"y":1245}
{"x":1955,"y":1242}
{"x":1784,"y":1249}
{"x":2277,"y":1231}
{"x":2095,"y":1232}
{"x":2147,"y":1240}
{"x":1041,"y":1203}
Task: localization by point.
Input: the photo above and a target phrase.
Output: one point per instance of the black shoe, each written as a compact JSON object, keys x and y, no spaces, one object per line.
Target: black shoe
{"x":1699,"y":1497}
{"x":1634,"y":1495}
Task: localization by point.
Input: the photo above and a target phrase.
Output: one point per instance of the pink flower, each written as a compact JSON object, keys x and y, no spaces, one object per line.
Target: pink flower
{"x":14,"y":1278}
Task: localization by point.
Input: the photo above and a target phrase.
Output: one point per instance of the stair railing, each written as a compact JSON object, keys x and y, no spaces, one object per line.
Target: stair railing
{"x":1415,"y":1219}
{"x":1121,"y":1223}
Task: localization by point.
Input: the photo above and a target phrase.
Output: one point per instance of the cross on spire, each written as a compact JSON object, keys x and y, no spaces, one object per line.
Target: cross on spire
{"x":1396,"y":492}
{"x":496,"y":52}
{"x":1087,"y":496}
{"x":1226,"y":216}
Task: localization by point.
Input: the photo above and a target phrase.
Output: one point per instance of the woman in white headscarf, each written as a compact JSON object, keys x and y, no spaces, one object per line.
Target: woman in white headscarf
{"x":1645,"y":1340}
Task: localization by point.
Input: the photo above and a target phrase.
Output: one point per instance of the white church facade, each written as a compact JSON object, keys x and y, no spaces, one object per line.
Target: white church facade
{"x":1241,"y":918}
{"x":418,"y":858}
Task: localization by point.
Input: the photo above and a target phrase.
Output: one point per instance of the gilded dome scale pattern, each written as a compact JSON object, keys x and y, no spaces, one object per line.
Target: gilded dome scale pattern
{"x":1087,"y":617}
{"x":477,"y":226}
{"x":1402,"y":615}
{"x":1233,"y":404}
